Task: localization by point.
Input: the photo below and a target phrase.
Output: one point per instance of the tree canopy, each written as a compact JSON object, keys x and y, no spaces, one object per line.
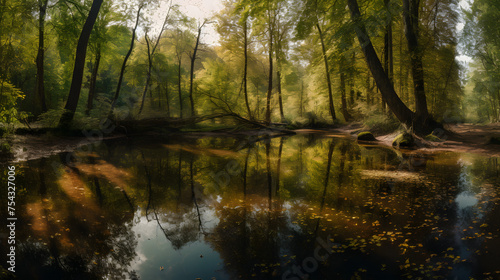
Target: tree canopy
{"x":288,"y":61}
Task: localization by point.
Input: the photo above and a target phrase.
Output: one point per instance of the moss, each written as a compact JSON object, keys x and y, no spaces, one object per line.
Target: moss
{"x":433,"y":138}
{"x":403,"y":140}
{"x":366,"y":136}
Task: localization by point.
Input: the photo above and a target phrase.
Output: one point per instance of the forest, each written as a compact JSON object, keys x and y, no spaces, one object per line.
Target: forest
{"x":268,"y":139}
{"x":314,"y":63}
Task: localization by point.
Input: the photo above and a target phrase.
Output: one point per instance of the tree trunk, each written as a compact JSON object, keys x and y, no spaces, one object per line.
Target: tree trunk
{"x":345,"y":112}
{"x":388,"y":56}
{"x":193,"y":58}
{"x":327,"y":72}
{"x":148,"y":74}
{"x":402,"y":112}
{"x":301,"y":108}
{"x":93,"y":79}
{"x":40,"y":86}
{"x":270,"y":83}
{"x":245,"y":70}
{"x":81,"y":52}
{"x":124,"y":64}
{"x":151,"y":53}
{"x":167,"y":96}
{"x":410,"y":14}
{"x":280,"y":100}
{"x":179,"y":61}
{"x":368,"y":89}
{"x":351,"y":79}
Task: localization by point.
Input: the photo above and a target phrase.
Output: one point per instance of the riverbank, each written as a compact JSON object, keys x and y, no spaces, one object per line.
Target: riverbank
{"x":458,"y":138}
{"x":469,"y":138}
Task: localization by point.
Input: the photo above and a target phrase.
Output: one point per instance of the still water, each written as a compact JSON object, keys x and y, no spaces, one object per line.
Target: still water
{"x":299,"y":207}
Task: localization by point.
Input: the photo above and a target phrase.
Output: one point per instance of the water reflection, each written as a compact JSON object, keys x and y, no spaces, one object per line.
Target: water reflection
{"x":265,"y":210}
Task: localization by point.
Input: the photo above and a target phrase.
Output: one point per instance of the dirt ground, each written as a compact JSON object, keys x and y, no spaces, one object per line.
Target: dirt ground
{"x":470,"y":138}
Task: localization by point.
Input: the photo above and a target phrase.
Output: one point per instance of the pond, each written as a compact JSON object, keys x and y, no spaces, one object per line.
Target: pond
{"x":299,"y":207}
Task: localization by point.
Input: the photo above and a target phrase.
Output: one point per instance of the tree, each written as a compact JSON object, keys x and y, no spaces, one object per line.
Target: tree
{"x":192,"y":56}
{"x":410,"y":14}
{"x":265,"y":12}
{"x":309,"y":18}
{"x":151,"y":53}
{"x":124,"y":64}
{"x":400,"y":110}
{"x":234,"y":27}
{"x":81,"y":51}
{"x":40,"y":86}
{"x":482,"y":42}
{"x":388,"y":48}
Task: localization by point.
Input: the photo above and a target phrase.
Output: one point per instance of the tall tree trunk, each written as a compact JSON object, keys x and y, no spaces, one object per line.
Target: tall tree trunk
{"x":93,"y":80}
{"x":148,"y":74}
{"x":151,"y":53}
{"x":124,"y":64}
{"x":368,"y":89}
{"x":245,"y":70}
{"x":193,"y":58}
{"x":342,"y":70}
{"x":40,"y":86}
{"x":410,"y":14}
{"x":388,"y":57}
{"x":399,"y":109}
{"x":81,"y":52}
{"x":270,"y":83}
{"x":327,"y":74}
{"x":301,"y":108}
{"x":351,"y":79}
{"x":179,"y":81}
{"x":167,"y":96}
{"x":258,"y":101}
{"x":280,"y":100}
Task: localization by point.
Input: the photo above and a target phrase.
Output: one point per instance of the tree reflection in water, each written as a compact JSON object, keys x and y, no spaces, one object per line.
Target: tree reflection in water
{"x":128,"y":208}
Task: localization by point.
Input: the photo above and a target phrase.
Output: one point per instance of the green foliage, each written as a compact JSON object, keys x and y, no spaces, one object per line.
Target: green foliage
{"x":51,"y":117}
{"x":4,"y":146}
{"x":9,"y":97}
{"x":481,"y":40}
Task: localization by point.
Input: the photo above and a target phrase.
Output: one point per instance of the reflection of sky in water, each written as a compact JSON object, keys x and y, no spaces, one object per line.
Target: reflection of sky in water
{"x":154,"y":250}
{"x":465,"y":199}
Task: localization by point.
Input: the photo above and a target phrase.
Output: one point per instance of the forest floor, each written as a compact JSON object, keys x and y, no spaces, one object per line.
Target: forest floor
{"x":470,"y":138}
